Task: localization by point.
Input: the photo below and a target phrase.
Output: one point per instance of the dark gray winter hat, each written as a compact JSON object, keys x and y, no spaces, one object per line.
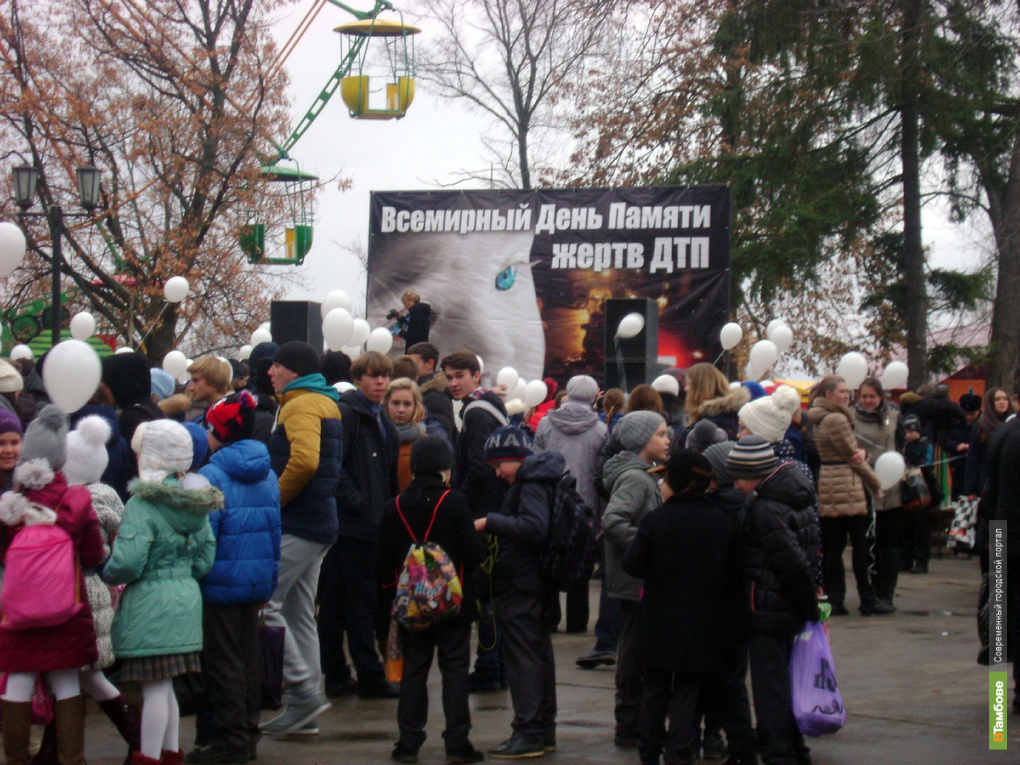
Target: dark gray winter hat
{"x":717,"y":454}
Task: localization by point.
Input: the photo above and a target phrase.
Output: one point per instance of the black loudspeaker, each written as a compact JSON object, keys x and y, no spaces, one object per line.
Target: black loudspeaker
{"x":634,"y":360}
{"x":296,"y":320}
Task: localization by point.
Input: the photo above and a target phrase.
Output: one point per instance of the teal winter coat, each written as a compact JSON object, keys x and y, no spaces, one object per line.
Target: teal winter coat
{"x":164,"y":547}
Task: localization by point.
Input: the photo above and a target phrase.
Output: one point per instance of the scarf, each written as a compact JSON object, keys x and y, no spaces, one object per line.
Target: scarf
{"x":410,"y":431}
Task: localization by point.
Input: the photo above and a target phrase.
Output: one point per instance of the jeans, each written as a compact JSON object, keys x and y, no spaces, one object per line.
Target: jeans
{"x":293,"y":606}
{"x":232,"y":667}
{"x":628,"y":673}
{"x":834,"y":535}
{"x":779,"y":739}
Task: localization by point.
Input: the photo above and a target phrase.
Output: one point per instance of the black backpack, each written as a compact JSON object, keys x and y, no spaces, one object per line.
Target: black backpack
{"x":567,"y":558}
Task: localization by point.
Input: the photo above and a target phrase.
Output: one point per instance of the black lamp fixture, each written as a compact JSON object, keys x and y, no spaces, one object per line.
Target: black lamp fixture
{"x":26,"y":178}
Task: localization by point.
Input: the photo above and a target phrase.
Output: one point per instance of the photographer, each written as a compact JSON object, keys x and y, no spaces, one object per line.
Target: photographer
{"x":414,"y":324}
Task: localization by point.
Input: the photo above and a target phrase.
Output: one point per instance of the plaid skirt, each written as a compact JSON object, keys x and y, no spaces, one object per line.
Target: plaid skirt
{"x":147,"y":669}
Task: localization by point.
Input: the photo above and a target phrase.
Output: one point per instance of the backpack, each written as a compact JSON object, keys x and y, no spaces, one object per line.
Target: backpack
{"x":42,"y":578}
{"x":567,"y":558}
{"x":428,"y":588}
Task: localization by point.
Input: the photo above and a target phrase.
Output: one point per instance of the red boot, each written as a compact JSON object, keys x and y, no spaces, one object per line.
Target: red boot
{"x":171,"y":758}
{"x":137,"y":758}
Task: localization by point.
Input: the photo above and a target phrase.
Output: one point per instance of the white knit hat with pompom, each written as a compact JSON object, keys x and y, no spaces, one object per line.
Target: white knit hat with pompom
{"x":770,"y":416}
{"x":86,"y":451}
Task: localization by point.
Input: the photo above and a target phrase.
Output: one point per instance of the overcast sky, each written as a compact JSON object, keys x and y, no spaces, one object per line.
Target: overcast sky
{"x":426,"y":147}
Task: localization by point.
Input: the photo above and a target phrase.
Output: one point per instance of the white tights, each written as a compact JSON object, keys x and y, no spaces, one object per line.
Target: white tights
{"x":95,"y":684}
{"x":21,"y":685}
{"x":161,"y":718}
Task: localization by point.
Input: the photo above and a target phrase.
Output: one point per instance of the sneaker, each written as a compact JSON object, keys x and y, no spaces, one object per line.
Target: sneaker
{"x":296,"y":715}
{"x":465,"y":754}
{"x":403,"y":753}
{"x":378,"y":689}
{"x":215,"y":756}
{"x":516,"y":748}
{"x":594,"y":659}
{"x":549,"y":740}
{"x":310,"y":728}
{"x":883,"y":607}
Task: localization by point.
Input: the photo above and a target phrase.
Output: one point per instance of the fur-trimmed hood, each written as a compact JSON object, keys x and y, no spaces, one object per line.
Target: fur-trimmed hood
{"x":185,"y":509}
{"x":176,"y":406}
{"x":728,"y":404}
{"x":437,"y":382}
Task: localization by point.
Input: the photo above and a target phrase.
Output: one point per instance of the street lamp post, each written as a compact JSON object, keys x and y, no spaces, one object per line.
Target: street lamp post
{"x":25,"y":179}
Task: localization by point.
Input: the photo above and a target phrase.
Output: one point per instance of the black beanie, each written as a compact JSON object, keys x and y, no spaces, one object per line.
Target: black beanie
{"x":688,"y":470}
{"x":300,"y":358}
{"x":430,"y":455}
{"x":970,"y":403}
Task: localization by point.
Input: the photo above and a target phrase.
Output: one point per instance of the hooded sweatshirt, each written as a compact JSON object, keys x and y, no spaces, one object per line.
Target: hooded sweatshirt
{"x":574,"y":430}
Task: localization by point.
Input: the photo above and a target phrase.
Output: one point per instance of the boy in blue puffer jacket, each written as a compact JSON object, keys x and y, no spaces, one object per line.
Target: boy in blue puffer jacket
{"x":243,"y":577}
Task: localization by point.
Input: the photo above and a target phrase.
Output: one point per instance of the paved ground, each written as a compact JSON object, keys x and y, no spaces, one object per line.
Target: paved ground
{"x":910,"y":683}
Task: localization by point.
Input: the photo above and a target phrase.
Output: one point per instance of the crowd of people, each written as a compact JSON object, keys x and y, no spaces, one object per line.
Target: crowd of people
{"x":260,"y":493}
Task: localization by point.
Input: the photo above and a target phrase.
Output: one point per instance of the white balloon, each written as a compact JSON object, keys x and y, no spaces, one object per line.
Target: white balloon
{"x":481,"y":364}
{"x":360,"y":334}
{"x":21,"y":351}
{"x":12,"y":248}
{"x":83,"y":325}
{"x":853,"y":368}
{"x":782,"y":336}
{"x":890,"y":468}
{"x":380,"y":340}
{"x":124,"y":349}
{"x":535,"y":393}
{"x":772,"y":328}
{"x":185,"y":378}
{"x":519,"y":391}
{"x":261,"y":335}
{"x":734,"y":385}
{"x":508,"y":376}
{"x":730,"y":335}
{"x":176,"y":289}
{"x":351,"y":351}
{"x":894,"y":376}
{"x":630,"y":325}
{"x":762,"y":356}
{"x":335,"y":299}
{"x":175,"y":364}
{"x":343,"y":386}
{"x":667,"y":384}
{"x":244,"y":352}
{"x":72,"y":374}
{"x":337,"y":328}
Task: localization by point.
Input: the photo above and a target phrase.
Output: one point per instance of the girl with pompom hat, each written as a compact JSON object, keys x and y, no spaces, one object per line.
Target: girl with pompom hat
{"x":164,"y":546}
{"x":42,"y":495}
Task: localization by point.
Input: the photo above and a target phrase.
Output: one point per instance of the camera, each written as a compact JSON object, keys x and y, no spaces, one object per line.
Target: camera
{"x":393,"y":314}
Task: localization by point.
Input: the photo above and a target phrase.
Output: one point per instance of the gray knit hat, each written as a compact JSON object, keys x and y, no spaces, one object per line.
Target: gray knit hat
{"x":717,"y":454}
{"x":636,"y":429}
{"x":752,"y":457}
{"x":46,"y":438}
{"x":582,"y":388}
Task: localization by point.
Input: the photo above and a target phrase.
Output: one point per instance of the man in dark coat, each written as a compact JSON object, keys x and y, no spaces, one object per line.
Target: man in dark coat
{"x":687,"y":621}
{"x":435,"y":514}
{"x":482,"y":413}
{"x":524,"y":600}
{"x":781,"y":538}
{"x":347,"y":584}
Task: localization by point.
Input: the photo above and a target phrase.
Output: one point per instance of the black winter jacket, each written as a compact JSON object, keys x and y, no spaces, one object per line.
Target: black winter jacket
{"x":265,"y":416}
{"x":781,"y":538}
{"x":684,"y":551}
{"x":522,"y":523}
{"x":438,"y":403}
{"x":368,"y":474}
{"x":1001,"y":499}
{"x":453,"y":530}
{"x":471,"y":473}
{"x":414,"y":326}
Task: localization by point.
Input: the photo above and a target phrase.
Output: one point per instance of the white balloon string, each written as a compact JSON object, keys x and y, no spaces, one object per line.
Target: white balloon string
{"x":154,"y":321}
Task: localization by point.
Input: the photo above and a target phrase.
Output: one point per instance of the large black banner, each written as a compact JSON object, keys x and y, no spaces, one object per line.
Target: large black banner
{"x":521,"y":278}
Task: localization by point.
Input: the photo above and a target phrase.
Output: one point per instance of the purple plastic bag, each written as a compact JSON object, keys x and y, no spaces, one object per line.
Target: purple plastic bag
{"x":817,"y":704}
